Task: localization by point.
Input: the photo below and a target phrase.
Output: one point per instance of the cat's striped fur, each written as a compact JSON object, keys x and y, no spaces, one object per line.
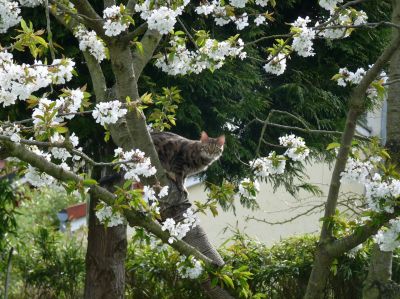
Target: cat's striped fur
{"x":182,"y":157}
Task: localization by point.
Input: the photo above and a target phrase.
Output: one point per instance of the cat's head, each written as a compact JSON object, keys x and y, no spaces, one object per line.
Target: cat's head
{"x":211,"y":147}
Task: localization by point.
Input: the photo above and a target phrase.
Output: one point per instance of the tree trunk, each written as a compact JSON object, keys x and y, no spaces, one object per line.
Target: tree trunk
{"x":105,"y":259}
{"x":8,"y":273}
{"x":378,"y":283}
{"x":327,"y":243}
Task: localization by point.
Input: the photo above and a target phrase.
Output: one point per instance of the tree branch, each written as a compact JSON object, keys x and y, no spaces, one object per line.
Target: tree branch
{"x":96,"y":73}
{"x":150,"y":41}
{"x":342,"y":245}
{"x":134,"y":218}
{"x":93,"y":19}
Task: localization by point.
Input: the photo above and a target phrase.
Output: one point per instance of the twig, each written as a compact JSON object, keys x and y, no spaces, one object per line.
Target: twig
{"x":187,"y":33}
{"x":305,"y":213}
{"x":49,"y":32}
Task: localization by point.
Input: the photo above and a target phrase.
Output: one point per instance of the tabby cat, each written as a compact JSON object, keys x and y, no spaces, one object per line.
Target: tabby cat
{"x":182,"y":157}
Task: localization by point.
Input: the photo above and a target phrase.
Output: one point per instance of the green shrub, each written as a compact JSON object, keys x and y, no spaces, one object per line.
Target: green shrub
{"x":151,"y":273}
{"x":49,"y":266}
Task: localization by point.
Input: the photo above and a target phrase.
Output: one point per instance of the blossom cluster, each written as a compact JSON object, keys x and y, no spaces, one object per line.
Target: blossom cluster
{"x":30,"y":3}
{"x":388,"y":240}
{"x":9,"y":14}
{"x":276,"y":64}
{"x":12,"y":132}
{"x":211,"y":55}
{"x":347,"y":17}
{"x":47,"y":113}
{"x":106,"y":215}
{"x":249,"y":189}
{"x":329,"y":4}
{"x":20,"y":81}
{"x":162,"y":18}
{"x":381,"y":193}
{"x":88,"y":40}
{"x":347,"y":78}
{"x":34,"y":176}
{"x":222,"y":17}
{"x":274,"y":164}
{"x":60,"y":152}
{"x":135,"y":164}
{"x":266,"y":166}
{"x":179,"y":230}
{"x":356,"y":171}
{"x":70,"y":102}
{"x":192,"y":271}
{"x":108,"y":112}
{"x":303,"y":39}
{"x":114,"y":21}
{"x":297,"y":149}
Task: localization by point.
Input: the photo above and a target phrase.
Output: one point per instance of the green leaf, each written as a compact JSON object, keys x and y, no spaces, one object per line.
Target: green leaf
{"x":61,"y":130}
{"x":332,"y":146}
{"x":89,"y":182}
{"x":228,"y":281}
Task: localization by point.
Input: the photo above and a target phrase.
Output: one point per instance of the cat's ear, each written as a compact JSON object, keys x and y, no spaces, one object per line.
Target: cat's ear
{"x":204,"y":137}
{"x":221,"y":140}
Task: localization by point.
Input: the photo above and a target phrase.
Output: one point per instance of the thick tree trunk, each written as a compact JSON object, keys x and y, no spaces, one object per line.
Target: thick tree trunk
{"x":132,"y":133}
{"x":105,"y":259}
{"x":327,"y":244}
{"x":378,"y":283}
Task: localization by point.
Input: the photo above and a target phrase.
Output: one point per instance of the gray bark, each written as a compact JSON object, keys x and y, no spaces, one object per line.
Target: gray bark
{"x":7,"y":281}
{"x":105,"y":259}
{"x":329,"y":248}
{"x":132,"y":133}
{"x":379,"y":282}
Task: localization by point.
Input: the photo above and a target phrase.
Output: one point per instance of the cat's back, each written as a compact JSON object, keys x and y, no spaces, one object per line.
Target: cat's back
{"x":168,"y":138}
{"x":169,"y":144}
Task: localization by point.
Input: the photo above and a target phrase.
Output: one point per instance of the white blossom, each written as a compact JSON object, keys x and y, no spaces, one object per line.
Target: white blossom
{"x":70,"y":102}
{"x":262,"y":2}
{"x":388,"y":240}
{"x":211,"y":55}
{"x":179,"y":230}
{"x":277,"y":65}
{"x":249,"y":189}
{"x":30,"y":3}
{"x":297,"y":149}
{"x":265,"y":166}
{"x":106,"y":215}
{"x":259,"y":20}
{"x":193,"y":271}
{"x":88,"y":40}
{"x":162,"y":18}
{"x":163,"y":192}
{"x":20,"y":81}
{"x":238,"y":3}
{"x":136,"y":164}
{"x":241,"y":21}
{"x":329,"y":4}
{"x":303,"y":39}
{"x":62,"y":70}
{"x":356,"y":171}
{"x":9,"y":14}
{"x":205,"y":9}
{"x":12,"y":132}
{"x":114,"y":23}
{"x":108,"y":112}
